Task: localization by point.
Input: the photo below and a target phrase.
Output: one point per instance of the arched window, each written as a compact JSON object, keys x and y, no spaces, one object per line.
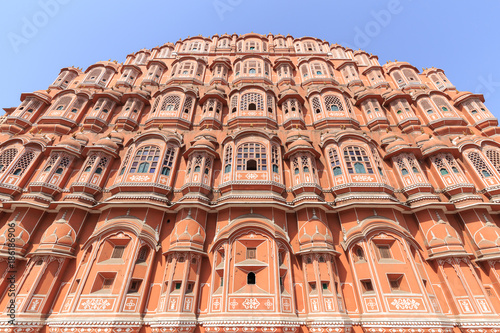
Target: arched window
{"x":275,"y":158}
{"x":359,"y":253}
{"x":143,"y":255}
{"x":168,"y":162}
{"x":479,"y":164}
{"x":335,"y":162}
{"x":228,"y":158}
{"x":6,"y":158}
{"x":252,"y":101}
{"x":357,"y":161}
{"x":404,"y":172}
{"x":146,"y":160}
{"x":316,"y":104}
{"x":333,"y":103}
{"x":125,"y":161}
{"x":251,"y":278}
{"x":443,"y":171}
{"x":143,"y":167}
{"x":251,"y":151}
{"x":170,"y":103}
{"x":23,"y":163}
{"x":359,"y":167}
{"x":494,"y":156}
{"x":251,"y":165}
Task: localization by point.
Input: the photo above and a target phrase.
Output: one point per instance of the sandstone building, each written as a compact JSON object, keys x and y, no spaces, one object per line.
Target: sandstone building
{"x":250,"y":183}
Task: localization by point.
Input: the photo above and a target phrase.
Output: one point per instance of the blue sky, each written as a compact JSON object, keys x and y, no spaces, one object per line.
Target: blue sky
{"x":38,"y":38}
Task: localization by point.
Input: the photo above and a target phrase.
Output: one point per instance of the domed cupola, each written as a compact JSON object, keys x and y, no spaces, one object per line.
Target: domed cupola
{"x":188,"y":235}
{"x":421,"y":138}
{"x":443,"y":240}
{"x":20,"y":236}
{"x":71,"y":144}
{"x":487,"y":239}
{"x":107,"y":143}
{"x":315,"y":236}
{"x":388,"y":137}
{"x":435,"y":146}
{"x":58,"y":239}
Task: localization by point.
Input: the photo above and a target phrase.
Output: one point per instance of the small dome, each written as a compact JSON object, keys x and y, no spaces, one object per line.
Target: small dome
{"x":443,"y":234}
{"x":107,"y":142}
{"x":21,"y":236}
{"x":315,"y":232}
{"x":71,"y":143}
{"x":117,"y":137}
{"x":421,"y":138}
{"x":433,"y":143}
{"x":463,"y":140}
{"x":395,"y":144}
{"x":388,"y":137}
{"x":82,"y":138}
{"x":188,"y":230}
{"x":300,"y":143}
{"x":488,"y":236}
{"x":204,"y":143}
{"x":59,"y":232}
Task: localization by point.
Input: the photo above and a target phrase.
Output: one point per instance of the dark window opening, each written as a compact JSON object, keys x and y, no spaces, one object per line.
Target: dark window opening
{"x":251,"y":278}
{"x":251,"y":165}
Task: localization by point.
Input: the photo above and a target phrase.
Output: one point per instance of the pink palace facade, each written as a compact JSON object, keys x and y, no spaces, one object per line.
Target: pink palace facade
{"x":250,"y":184}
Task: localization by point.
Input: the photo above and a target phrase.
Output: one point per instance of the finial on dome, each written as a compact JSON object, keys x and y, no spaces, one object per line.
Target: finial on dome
{"x":314,"y":214}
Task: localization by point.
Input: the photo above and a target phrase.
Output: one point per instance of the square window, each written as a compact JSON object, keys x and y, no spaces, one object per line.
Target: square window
{"x":384,"y":251}
{"x":107,"y":283}
{"x":395,"y":284}
{"x":251,"y":251}
{"x":118,"y":252}
{"x":134,"y":286}
{"x":367,"y":286}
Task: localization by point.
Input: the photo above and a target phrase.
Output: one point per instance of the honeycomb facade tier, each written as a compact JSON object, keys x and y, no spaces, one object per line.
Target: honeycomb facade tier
{"x":250,"y":183}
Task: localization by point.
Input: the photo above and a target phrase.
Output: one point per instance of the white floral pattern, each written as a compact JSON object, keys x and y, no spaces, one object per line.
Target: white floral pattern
{"x":251,"y":303}
{"x":405,"y":304}
{"x":95,"y":304}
